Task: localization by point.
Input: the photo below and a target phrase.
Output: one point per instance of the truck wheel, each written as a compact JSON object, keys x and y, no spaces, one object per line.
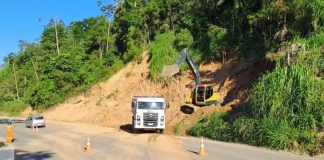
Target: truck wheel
{"x":135,"y":130}
{"x":161,"y":131}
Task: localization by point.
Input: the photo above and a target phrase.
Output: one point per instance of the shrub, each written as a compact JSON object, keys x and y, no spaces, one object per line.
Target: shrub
{"x":13,"y":108}
{"x":217,"y":128}
{"x":183,"y":39}
{"x":196,"y":130}
{"x":244,"y":130}
{"x":276,"y":134}
{"x":163,"y":53}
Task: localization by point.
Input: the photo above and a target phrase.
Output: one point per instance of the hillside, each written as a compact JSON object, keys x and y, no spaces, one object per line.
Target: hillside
{"x":108,"y":103}
{"x":264,"y":57}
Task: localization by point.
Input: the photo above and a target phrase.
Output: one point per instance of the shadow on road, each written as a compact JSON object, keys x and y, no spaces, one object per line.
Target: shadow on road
{"x":5,"y":120}
{"x":194,"y":152}
{"x":40,"y":155}
{"x":129,"y":129}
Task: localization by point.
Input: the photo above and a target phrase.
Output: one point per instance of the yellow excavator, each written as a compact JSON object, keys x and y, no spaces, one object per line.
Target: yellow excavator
{"x":201,"y":94}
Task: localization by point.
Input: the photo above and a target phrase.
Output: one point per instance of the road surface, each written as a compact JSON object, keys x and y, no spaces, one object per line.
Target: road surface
{"x":62,"y":140}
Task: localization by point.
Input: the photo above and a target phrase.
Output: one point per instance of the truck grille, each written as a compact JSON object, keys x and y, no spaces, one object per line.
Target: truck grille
{"x":150,"y":119}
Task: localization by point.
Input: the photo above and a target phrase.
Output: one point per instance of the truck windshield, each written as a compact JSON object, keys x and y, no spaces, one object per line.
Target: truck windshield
{"x":150,"y":105}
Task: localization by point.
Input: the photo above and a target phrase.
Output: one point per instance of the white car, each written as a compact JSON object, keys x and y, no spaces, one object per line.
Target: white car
{"x":35,"y":121}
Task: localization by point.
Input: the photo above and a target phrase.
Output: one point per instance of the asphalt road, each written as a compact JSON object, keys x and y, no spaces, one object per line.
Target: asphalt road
{"x":62,"y":140}
{"x":229,"y":151}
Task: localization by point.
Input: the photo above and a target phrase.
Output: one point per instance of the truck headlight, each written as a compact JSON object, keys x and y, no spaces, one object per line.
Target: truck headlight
{"x":138,"y":120}
{"x":162,"y":120}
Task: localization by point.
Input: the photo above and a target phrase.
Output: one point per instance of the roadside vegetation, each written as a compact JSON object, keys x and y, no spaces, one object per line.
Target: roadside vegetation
{"x":284,"y":109}
{"x":2,"y":144}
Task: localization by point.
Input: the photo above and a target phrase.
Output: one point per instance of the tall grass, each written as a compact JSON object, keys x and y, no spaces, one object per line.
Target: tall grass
{"x":285,"y":109}
{"x":289,"y":94}
{"x":13,"y":108}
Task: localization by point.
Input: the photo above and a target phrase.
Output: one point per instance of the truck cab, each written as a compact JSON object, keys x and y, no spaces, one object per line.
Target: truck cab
{"x":148,"y":113}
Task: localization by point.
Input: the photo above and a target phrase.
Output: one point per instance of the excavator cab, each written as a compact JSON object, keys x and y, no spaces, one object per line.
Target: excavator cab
{"x":204,"y":95}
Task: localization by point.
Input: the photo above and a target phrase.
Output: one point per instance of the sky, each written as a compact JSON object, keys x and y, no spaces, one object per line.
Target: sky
{"x":25,"y":19}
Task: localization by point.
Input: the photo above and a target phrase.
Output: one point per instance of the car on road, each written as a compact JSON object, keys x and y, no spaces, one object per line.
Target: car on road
{"x":35,"y":121}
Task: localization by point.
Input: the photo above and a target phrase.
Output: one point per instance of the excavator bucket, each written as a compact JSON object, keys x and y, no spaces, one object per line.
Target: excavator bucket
{"x":169,"y":71}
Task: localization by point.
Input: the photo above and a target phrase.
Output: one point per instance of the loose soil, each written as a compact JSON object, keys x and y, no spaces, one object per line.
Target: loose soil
{"x":109,"y":103}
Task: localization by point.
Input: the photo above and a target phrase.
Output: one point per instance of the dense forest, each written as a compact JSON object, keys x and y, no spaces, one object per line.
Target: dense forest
{"x":67,"y":59}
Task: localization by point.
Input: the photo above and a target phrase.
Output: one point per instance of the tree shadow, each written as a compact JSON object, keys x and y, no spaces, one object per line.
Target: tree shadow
{"x":5,"y":120}
{"x":241,"y":74}
{"x":25,"y":155}
{"x":244,"y":79}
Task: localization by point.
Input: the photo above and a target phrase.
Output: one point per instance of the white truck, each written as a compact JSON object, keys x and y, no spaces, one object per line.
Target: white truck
{"x":148,"y":113}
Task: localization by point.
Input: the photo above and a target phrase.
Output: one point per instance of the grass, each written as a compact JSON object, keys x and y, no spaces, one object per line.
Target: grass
{"x":177,"y":128}
{"x":113,"y":94}
{"x":13,"y":108}
{"x":2,"y":144}
{"x":284,"y":110}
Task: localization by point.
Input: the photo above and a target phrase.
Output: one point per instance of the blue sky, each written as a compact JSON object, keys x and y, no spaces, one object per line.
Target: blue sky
{"x":25,"y":19}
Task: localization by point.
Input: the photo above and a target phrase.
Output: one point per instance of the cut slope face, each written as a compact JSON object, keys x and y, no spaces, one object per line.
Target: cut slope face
{"x":109,"y":103}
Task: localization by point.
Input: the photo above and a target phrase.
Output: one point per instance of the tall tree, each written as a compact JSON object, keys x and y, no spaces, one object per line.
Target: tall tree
{"x":108,"y":10}
{"x":11,"y":60}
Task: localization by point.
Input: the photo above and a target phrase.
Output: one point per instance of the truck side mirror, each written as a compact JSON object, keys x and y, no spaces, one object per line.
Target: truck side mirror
{"x":167,"y":105}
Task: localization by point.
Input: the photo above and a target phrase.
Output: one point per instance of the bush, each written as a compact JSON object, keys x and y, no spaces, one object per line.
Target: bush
{"x":284,"y":111}
{"x":177,"y":128}
{"x":183,"y":39}
{"x":133,"y":53}
{"x":213,"y":127}
{"x":13,"y":108}
{"x":217,"y":128}
{"x":196,"y":130}
{"x":244,"y":130}
{"x":163,"y":53}
{"x":276,"y":134}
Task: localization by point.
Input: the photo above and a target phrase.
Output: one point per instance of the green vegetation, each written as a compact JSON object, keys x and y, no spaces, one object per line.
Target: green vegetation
{"x":2,"y":144}
{"x":177,"y":128}
{"x":13,"y":108}
{"x":284,"y":110}
{"x":44,"y":73}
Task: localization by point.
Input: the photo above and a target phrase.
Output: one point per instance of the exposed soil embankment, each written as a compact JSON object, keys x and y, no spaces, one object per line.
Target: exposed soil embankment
{"x":109,"y":103}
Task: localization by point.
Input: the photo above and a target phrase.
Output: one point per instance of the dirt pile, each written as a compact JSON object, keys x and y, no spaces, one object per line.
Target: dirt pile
{"x":109,"y":103}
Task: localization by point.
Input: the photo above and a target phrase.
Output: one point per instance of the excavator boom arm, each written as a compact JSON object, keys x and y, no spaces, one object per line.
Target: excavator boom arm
{"x":184,"y":55}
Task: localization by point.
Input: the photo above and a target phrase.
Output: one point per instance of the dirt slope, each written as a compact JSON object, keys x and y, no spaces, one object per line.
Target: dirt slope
{"x":108,"y":103}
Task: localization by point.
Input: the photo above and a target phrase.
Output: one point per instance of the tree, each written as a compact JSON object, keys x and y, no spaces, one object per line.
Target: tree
{"x":11,"y":60}
{"x":108,"y":10}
